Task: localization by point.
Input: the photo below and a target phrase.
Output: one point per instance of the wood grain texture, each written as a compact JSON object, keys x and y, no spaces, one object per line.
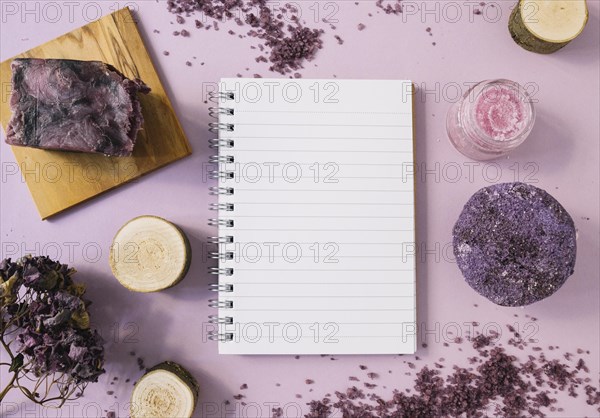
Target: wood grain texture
{"x":60,"y":180}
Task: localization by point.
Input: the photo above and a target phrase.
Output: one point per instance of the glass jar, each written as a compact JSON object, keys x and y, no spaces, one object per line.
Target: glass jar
{"x":491,"y":119}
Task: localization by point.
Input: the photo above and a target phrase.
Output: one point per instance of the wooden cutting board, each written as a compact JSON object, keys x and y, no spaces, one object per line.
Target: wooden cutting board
{"x":60,"y":180}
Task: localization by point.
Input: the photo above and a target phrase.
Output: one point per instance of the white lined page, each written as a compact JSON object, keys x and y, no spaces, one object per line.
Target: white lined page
{"x":323,"y":256}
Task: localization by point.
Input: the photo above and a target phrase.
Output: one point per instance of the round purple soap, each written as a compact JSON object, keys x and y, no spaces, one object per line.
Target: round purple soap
{"x":515,"y":244}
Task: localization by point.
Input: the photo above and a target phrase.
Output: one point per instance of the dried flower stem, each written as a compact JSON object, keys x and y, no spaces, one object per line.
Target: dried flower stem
{"x":46,"y":381}
{"x":8,"y":387}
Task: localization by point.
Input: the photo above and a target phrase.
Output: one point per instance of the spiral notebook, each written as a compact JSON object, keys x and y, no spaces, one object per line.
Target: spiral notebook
{"x":315,"y":217}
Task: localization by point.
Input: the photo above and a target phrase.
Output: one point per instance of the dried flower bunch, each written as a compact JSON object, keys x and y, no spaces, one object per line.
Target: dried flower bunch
{"x":45,"y":329}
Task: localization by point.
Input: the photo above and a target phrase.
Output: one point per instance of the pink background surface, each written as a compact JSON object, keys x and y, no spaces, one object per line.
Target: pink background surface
{"x":561,"y":156}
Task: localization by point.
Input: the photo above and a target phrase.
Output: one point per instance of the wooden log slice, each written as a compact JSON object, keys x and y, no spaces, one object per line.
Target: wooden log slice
{"x":545,"y":26}
{"x":165,"y":391}
{"x":150,"y":254}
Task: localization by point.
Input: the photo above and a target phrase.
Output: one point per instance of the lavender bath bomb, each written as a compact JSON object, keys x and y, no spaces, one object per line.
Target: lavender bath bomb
{"x":515,"y":244}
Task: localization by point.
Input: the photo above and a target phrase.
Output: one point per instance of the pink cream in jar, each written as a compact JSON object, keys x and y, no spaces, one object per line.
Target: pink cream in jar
{"x":491,"y":119}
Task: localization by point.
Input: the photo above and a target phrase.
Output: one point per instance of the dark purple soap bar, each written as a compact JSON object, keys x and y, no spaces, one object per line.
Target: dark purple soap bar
{"x":68,"y":105}
{"x":515,"y":244}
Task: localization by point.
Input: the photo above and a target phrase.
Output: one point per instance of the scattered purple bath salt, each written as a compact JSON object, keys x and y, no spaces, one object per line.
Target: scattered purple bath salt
{"x":289,"y":53}
{"x":141,"y":364}
{"x":288,"y":42}
{"x":390,"y":7}
{"x":497,"y":383}
{"x":185,"y":33}
{"x":515,"y":244}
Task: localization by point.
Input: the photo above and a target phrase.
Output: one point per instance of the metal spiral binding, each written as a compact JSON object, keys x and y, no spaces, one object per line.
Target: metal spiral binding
{"x":225,"y":159}
{"x":220,"y":240}
{"x":228,"y":287}
{"x":221,"y":271}
{"x":228,"y":207}
{"x":216,"y":319}
{"x":221,"y":256}
{"x":216,"y":175}
{"x":214,"y":191}
{"x":222,"y":304}
{"x":228,"y":223}
{"x":221,"y":174}
{"x":214,"y":112}
{"x":223,"y":337}
{"x":215,"y":127}
{"x":220,"y":143}
{"x":216,"y":96}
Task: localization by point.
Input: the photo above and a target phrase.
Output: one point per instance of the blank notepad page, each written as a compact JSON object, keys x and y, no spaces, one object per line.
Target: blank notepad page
{"x":317,"y":199}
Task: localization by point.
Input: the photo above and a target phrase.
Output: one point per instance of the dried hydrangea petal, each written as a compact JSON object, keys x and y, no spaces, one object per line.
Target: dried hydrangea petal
{"x":50,"y":319}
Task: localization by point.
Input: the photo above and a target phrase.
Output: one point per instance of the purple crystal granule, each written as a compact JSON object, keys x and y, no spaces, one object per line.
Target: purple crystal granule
{"x":515,"y":244}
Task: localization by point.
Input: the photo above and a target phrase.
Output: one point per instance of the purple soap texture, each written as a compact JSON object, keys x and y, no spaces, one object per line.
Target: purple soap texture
{"x":68,"y":105}
{"x":515,"y":244}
